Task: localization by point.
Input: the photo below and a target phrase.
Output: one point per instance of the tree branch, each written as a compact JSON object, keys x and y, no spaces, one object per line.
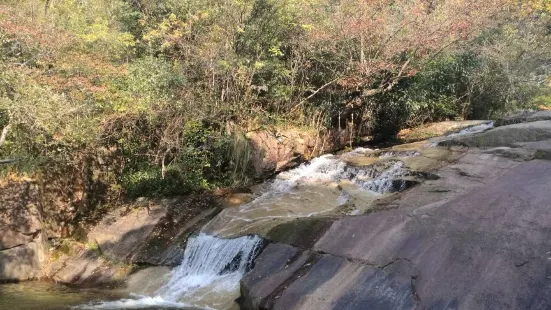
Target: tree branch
{"x":314,"y":93}
{"x":390,"y":86}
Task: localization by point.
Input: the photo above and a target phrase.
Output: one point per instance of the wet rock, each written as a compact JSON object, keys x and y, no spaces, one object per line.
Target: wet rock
{"x":290,"y":163}
{"x":147,"y":281}
{"x":280,"y":263}
{"x":236,"y":199}
{"x":303,"y":233}
{"x":436,"y":129}
{"x":391,"y":153}
{"x":167,"y":243}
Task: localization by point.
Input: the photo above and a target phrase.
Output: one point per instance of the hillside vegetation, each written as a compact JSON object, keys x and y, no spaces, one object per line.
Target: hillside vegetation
{"x":103,"y":99}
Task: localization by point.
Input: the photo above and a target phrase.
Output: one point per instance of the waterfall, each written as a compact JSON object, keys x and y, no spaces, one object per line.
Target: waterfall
{"x":210,"y":265}
{"x":210,"y":262}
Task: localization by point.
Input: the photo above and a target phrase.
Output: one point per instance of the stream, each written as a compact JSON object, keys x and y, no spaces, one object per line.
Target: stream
{"x":219,"y":256}
{"x":42,"y":295}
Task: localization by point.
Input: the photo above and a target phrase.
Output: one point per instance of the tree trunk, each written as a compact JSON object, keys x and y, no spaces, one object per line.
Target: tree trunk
{"x":46,"y":7}
{"x":4,"y":134}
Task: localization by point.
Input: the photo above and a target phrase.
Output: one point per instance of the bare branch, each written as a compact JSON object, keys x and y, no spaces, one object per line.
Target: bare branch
{"x":314,"y":93}
{"x":390,"y":86}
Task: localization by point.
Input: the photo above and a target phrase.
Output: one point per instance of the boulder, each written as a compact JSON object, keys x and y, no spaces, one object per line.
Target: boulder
{"x":22,"y":241}
{"x":85,"y":266}
{"x":152,"y":233}
{"x":278,"y":149}
{"x":143,"y":233}
{"x":23,"y":262}
{"x":121,"y":233}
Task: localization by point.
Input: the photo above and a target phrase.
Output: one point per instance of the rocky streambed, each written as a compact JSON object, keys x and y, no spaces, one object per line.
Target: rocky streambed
{"x":460,"y":221}
{"x":476,"y":236}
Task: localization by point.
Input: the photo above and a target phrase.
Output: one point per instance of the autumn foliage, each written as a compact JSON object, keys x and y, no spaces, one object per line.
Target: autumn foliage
{"x":165,"y":86}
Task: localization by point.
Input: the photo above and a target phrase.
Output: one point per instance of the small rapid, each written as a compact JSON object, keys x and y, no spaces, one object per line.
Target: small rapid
{"x":326,"y":185}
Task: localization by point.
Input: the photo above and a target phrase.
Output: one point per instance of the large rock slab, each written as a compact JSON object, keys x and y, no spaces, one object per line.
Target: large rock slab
{"x":524,"y":117}
{"x":341,"y":284}
{"x":297,"y":279}
{"x":280,"y":263}
{"x":486,"y":247}
{"x":84,"y":265}
{"x":121,"y":233}
{"x":167,"y":242}
{"x":505,"y":135}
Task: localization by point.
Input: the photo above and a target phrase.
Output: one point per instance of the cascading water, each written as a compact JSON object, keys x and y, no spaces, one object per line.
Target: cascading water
{"x":211,"y":266}
{"x":384,"y":182}
{"x":323,"y":186}
{"x":209,"y":275}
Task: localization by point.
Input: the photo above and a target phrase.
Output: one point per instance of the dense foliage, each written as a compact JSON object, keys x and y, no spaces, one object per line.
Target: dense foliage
{"x":152,"y":97}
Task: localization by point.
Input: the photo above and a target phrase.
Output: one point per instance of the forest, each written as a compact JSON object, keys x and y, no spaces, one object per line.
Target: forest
{"x":130,"y":98}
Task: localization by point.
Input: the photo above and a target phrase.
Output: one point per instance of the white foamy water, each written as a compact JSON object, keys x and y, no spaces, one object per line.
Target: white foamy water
{"x":208,"y":277}
{"x":140,"y":302}
{"x":324,"y":168}
{"x":384,"y":182}
{"x":210,"y":263}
